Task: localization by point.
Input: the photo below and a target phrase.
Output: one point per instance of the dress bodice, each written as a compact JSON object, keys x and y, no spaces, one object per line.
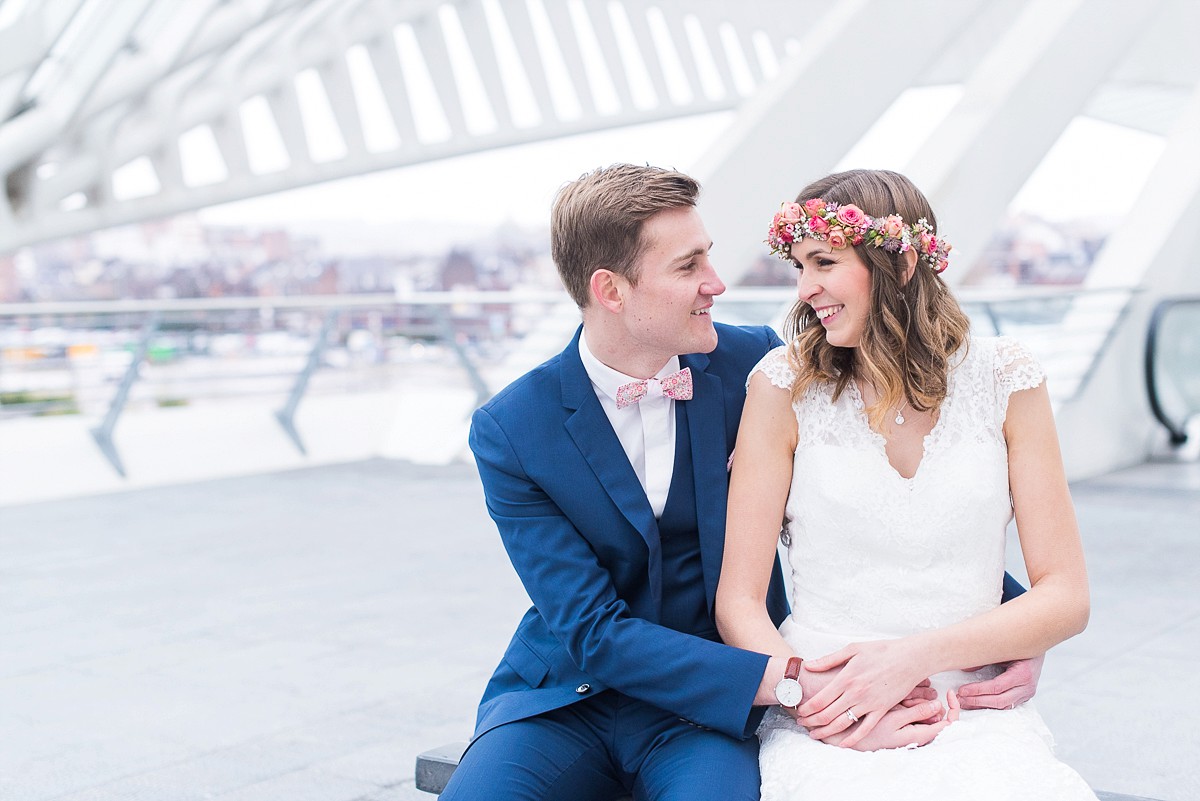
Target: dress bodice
{"x":874,"y":554}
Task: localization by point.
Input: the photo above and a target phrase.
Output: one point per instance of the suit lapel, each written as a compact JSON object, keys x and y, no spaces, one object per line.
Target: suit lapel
{"x":706,"y":432}
{"x":593,"y":435}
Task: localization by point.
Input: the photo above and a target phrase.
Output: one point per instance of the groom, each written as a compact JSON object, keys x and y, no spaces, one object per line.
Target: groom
{"x":605,"y":471}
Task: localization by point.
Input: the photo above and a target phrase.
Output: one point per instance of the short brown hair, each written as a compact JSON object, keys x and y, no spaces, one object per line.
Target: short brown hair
{"x":597,"y":220}
{"x":914,"y":327}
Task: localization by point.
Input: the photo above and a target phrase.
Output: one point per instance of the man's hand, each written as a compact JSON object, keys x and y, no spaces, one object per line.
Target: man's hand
{"x":904,"y":726}
{"x":1014,"y":686}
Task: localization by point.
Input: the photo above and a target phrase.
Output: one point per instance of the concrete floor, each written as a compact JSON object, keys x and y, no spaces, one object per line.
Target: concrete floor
{"x":304,"y":634}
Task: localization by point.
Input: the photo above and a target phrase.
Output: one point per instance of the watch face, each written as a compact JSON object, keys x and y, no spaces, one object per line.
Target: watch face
{"x":789,"y":692}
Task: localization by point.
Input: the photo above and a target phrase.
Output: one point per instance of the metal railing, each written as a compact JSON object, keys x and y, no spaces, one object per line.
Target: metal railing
{"x":1172,"y":365}
{"x":100,"y":359}
{"x":65,"y":358}
{"x":1068,"y":329}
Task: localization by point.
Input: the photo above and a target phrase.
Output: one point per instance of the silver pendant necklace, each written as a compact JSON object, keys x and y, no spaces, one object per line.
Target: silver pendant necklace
{"x":900,"y":413}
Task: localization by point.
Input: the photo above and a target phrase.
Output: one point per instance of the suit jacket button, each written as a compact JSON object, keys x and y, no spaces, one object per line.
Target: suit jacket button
{"x":583,"y":688}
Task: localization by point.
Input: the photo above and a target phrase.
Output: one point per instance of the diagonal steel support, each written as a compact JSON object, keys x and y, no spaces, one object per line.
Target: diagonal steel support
{"x":103,"y":433}
{"x":287,"y":415}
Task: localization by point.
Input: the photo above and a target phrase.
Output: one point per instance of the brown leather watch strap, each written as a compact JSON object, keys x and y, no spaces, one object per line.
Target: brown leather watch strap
{"x":792,"y":671}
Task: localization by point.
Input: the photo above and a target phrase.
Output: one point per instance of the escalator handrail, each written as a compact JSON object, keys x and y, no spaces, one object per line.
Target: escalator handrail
{"x":1177,"y":430}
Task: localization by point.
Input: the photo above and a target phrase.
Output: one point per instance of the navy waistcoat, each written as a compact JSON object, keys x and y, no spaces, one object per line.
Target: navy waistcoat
{"x":684,"y":607}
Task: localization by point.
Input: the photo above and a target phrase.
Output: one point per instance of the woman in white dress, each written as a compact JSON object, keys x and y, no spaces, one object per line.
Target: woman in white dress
{"x":895,"y":448}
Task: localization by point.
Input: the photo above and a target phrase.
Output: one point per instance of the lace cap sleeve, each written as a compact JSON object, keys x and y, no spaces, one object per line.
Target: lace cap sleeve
{"x":1016,"y":368}
{"x":775,"y":366}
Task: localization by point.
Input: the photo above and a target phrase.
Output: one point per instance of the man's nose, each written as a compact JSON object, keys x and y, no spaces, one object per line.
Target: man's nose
{"x":713,"y":285}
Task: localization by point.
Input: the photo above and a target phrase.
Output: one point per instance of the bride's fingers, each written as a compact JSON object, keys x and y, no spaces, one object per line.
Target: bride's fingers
{"x":912,"y":703}
{"x":838,"y":725}
{"x":922,"y":692}
{"x":865,"y":727}
{"x":839,"y":657}
{"x":924,"y":712}
{"x":822,"y":707}
{"x":924,"y":734}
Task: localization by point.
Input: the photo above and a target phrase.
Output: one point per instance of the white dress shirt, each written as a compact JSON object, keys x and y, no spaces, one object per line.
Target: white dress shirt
{"x":646,"y":429}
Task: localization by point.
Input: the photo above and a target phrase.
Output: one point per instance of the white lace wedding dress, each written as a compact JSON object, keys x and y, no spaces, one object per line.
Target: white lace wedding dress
{"x":874,"y":555}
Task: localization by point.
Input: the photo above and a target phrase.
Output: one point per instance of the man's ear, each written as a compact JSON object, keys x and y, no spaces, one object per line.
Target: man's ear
{"x":608,"y":290}
{"x":910,"y":266}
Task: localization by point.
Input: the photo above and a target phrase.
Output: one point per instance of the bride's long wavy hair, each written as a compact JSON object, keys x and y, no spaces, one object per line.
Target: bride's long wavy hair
{"x":914,"y":326}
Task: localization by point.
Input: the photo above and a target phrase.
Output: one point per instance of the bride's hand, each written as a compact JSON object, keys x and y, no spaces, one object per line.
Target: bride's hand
{"x":813,"y":683}
{"x":904,"y":726}
{"x":874,"y":678}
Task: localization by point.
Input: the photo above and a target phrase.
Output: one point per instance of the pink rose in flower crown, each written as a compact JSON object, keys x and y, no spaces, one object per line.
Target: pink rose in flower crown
{"x":779,"y":234}
{"x":818,"y":226}
{"x":928,"y":243}
{"x":790,"y":212}
{"x":814,"y":206}
{"x":941,"y":266}
{"x":893,"y":226}
{"x":852,"y":215}
{"x":837,"y":240}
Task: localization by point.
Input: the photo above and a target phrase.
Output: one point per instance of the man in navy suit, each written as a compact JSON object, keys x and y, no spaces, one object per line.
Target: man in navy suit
{"x":605,"y":470}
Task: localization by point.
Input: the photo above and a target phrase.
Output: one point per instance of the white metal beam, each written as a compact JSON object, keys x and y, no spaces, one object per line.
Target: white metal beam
{"x":23,"y":137}
{"x":1035,"y":79}
{"x":196,"y":66}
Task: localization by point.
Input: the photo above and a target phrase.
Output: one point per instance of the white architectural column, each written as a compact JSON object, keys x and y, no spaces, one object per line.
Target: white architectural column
{"x":1020,"y":98}
{"x":1154,"y":247}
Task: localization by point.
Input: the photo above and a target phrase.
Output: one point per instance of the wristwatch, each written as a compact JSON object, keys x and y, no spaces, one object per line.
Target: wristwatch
{"x":788,"y":691}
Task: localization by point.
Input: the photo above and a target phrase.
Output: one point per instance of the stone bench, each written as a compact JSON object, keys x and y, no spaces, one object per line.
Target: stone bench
{"x":435,"y":767}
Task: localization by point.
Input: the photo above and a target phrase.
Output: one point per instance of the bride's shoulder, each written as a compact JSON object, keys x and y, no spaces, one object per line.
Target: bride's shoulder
{"x":777,"y":367}
{"x":1009,"y":360}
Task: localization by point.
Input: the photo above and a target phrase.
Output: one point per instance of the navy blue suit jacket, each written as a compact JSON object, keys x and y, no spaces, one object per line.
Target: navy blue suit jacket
{"x":582,"y":537}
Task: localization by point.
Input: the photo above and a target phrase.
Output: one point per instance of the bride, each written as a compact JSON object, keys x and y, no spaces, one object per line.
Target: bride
{"x":895,"y":449}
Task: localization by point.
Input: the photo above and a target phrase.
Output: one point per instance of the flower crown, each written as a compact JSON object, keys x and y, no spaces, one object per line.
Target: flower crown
{"x":843,"y":225}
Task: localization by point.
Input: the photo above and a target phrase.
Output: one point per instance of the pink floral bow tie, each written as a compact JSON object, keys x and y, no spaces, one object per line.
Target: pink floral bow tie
{"x":677,"y":386}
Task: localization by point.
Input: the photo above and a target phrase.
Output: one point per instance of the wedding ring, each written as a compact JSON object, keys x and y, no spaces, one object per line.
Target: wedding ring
{"x":853,"y":717}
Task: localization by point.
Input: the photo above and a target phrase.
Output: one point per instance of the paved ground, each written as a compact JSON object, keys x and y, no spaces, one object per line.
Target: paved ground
{"x":303,"y":635}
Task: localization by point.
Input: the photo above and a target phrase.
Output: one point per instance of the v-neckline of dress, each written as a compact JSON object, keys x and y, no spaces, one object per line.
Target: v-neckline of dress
{"x":860,"y":414}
